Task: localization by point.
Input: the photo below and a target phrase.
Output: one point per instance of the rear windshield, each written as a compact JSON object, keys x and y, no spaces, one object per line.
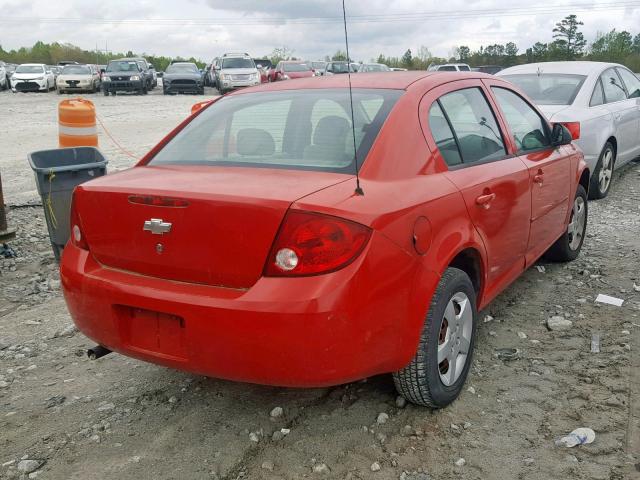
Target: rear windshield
{"x":549,"y":88}
{"x":238,"y":63}
{"x":295,"y":129}
{"x":76,"y":70}
{"x":296,"y":67}
{"x":124,"y":66}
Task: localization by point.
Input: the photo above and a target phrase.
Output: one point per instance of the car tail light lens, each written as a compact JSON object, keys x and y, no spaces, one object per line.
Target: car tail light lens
{"x":312,"y":244}
{"x":77,"y":235}
{"x":574,"y":129}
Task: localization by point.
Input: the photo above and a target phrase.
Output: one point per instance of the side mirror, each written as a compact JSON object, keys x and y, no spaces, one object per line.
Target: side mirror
{"x":560,"y":135}
{"x":259,"y":65}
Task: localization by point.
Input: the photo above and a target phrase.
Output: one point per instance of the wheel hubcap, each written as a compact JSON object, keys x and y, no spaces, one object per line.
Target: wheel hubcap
{"x":454,"y":340}
{"x":606,"y":170}
{"x":577,"y":224}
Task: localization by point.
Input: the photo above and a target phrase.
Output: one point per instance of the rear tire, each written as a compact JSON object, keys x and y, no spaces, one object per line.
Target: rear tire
{"x":602,"y":176}
{"x":449,"y":329}
{"x":568,"y":246}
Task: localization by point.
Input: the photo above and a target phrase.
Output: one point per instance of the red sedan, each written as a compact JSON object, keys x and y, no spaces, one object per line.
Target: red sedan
{"x":240,"y":247}
{"x":288,"y":70}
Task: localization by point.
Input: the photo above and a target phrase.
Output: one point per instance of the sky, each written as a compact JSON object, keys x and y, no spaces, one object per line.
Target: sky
{"x":311,"y":28}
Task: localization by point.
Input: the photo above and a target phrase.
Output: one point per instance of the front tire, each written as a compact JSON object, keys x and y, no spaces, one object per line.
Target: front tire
{"x":603,"y":173}
{"x":436,"y":374}
{"x":568,"y":246}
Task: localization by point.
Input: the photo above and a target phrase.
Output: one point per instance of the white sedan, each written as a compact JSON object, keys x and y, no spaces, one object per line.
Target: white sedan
{"x":32,"y":77}
{"x":598,"y":102}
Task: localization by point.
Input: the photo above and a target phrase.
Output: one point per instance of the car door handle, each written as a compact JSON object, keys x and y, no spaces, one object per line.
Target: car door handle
{"x":539,"y":178}
{"x":485,"y":200}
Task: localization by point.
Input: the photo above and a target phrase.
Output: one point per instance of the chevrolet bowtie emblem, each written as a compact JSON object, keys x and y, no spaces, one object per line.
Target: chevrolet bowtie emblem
{"x":156,"y":226}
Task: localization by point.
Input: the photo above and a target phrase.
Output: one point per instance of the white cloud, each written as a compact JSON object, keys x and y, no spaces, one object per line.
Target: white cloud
{"x":257,"y":26}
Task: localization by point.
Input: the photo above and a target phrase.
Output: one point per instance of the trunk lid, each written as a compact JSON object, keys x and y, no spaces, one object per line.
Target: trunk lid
{"x":221,"y":237}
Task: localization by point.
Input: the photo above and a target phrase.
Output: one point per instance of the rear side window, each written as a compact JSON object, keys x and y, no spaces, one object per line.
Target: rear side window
{"x":631,"y":82}
{"x":613,"y":89}
{"x":474,"y":125}
{"x":443,"y":136}
{"x":529,"y":129}
{"x":598,"y":97}
{"x":448,"y":68}
{"x":294,"y":129}
{"x":464,"y":68}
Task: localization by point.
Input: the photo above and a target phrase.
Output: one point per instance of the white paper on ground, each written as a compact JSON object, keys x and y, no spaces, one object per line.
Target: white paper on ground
{"x":601,"y":298}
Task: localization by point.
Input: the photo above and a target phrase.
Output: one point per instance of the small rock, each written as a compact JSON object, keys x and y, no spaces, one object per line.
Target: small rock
{"x":467,"y":425}
{"x":461,"y":462}
{"x":277,"y":412}
{"x":28,"y":466}
{"x":105,"y":407}
{"x":407,"y":430}
{"x":488,"y":319}
{"x":558,"y":322}
{"x":95,"y":438}
{"x":471,"y":390}
{"x":277,"y":436}
{"x":382,"y":418}
{"x":375,"y":467}
{"x":54,"y":401}
{"x":3,"y":384}
{"x":173,"y":400}
{"x":321,"y":468}
{"x":268,"y":466}
{"x":528,"y":461}
{"x":522,"y":335}
{"x":253,"y":436}
{"x":454,"y":427}
{"x":401,"y":402}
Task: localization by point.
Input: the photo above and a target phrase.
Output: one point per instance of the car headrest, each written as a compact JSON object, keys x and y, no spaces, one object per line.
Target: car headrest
{"x":255,"y":142}
{"x":331,"y":130}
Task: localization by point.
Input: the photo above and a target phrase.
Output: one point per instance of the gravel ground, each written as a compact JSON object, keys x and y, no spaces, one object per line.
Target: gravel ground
{"x":64,"y":417}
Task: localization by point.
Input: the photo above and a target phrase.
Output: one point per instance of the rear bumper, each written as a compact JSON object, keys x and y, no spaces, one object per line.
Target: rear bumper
{"x":303,"y":332}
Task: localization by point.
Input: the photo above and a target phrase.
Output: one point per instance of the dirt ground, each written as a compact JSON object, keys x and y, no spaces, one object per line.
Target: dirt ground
{"x":118,"y":418}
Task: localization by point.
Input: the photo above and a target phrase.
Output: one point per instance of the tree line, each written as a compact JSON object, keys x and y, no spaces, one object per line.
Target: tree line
{"x":568,"y":44}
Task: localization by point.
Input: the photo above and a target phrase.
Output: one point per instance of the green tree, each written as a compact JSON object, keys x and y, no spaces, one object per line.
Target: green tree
{"x":539,"y":52}
{"x":463,"y":53}
{"x":568,"y":38}
{"x":339,"y":56}
{"x":281,"y":53}
{"x":511,"y":54}
{"x":407,"y":59}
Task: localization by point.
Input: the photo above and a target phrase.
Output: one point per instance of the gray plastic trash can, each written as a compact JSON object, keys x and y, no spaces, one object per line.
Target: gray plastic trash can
{"x":57,"y":174}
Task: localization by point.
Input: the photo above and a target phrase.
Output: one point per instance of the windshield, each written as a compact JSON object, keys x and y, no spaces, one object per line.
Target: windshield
{"x":30,"y":69}
{"x":375,"y":67}
{"x":238,"y":63}
{"x":549,"y":88}
{"x":340,"y":68}
{"x":76,"y":70}
{"x":296,"y":129}
{"x":296,"y":67}
{"x":123,"y":66}
{"x":184,"y":68}
{"x":318,"y":65}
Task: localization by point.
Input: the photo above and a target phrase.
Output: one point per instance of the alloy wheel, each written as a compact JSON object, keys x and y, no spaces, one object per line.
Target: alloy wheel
{"x":454,"y":339}
{"x":606,"y":171}
{"x":577,"y":223}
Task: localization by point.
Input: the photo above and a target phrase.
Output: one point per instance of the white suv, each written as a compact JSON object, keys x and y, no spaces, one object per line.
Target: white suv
{"x":235,"y":70}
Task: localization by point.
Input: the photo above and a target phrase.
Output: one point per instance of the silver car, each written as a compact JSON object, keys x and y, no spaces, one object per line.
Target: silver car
{"x":598,"y":102}
{"x":235,"y":70}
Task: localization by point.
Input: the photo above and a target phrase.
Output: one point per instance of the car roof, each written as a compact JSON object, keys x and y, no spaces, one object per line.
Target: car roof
{"x":32,"y":65}
{"x":397,"y":81}
{"x":578,"y":68}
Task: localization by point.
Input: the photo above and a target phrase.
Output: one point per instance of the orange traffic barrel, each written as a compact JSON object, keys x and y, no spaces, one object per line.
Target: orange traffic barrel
{"x":77,"y":123}
{"x":199,"y":106}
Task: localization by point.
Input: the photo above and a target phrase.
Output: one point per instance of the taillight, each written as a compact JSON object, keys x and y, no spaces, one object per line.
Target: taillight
{"x":574,"y":129}
{"x":312,"y":244}
{"x":77,"y":234}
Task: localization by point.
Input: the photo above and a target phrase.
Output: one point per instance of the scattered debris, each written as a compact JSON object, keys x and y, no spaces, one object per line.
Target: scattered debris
{"x":321,"y":468}
{"x":595,"y":343}
{"x":375,"y":467}
{"x":461,"y":462}
{"x":558,"y":322}
{"x":541,"y":268}
{"x":507,"y":354}
{"x":401,"y":402}
{"x":29,"y":465}
{"x":580,"y":436}
{"x":382,"y":418}
{"x":277,"y":412}
{"x":488,"y":318}
{"x":609,"y":300}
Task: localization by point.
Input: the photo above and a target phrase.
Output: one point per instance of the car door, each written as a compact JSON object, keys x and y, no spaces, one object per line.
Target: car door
{"x":632,"y":86}
{"x":493,"y":184}
{"x":623,"y":110}
{"x":549,"y":169}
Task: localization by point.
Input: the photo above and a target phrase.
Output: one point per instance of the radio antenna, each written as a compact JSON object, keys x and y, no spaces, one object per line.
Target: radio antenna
{"x":359,"y":190}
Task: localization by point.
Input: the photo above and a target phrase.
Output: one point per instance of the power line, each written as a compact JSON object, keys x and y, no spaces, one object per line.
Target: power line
{"x":423,"y":16}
